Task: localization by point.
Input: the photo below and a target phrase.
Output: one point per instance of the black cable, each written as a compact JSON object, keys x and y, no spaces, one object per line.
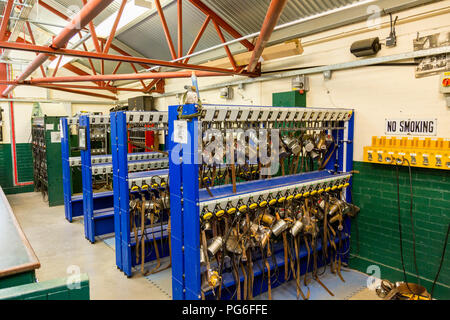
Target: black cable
{"x":442,"y":261}
{"x":400,"y":229}
{"x":412,"y":220}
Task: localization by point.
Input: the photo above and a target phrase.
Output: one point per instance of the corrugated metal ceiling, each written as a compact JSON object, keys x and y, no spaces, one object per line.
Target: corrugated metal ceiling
{"x":147,"y":37}
{"x":69,"y":7}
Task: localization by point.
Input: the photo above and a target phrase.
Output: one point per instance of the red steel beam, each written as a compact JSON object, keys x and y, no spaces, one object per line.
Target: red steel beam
{"x":135,"y":71}
{"x":180,"y":27}
{"x":227,"y":50}
{"x":114,"y":28}
{"x":57,"y":66}
{"x":132,"y":76}
{"x":95,"y":55}
{"x":87,"y":13}
{"x":151,"y":84}
{"x":67,"y":66}
{"x":273,"y":15}
{"x":5,"y":20}
{"x":199,"y":36}
{"x":86,"y":93}
{"x":93,"y":33}
{"x":123,"y":52}
{"x":115,"y":71}
{"x":166,"y":29}
{"x":75,"y":86}
{"x":208,"y":12}
{"x":34,"y":42}
{"x":54,"y":11}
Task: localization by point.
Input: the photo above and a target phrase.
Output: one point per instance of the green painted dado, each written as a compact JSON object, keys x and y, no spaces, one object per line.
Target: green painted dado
{"x":75,"y":287}
{"x":18,"y":279}
{"x":24,"y":167}
{"x":375,"y":234}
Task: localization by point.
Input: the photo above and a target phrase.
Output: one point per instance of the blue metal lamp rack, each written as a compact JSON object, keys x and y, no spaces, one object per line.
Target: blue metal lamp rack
{"x":124,"y":181}
{"x":187,"y":200}
{"x":98,"y":208}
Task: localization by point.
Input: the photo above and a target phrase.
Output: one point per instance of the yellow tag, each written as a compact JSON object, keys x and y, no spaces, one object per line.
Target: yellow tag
{"x":263,"y":204}
{"x":207,"y":216}
{"x":220,"y":213}
{"x":231,"y":210}
{"x":253,"y":206}
{"x":272,"y":202}
{"x":243,"y":208}
{"x":306,"y":194}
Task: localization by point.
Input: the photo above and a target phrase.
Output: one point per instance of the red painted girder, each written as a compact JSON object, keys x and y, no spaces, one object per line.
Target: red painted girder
{"x":270,"y":22}
{"x":208,"y":12}
{"x":87,"y":13}
{"x":5,"y":20}
{"x":95,"y":55}
{"x":132,"y":76}
{"x":166,"y":29}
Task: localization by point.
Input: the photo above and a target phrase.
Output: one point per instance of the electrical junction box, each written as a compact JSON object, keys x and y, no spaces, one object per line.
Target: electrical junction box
{"x":444,"y":86}
{"x":226,"y":93}
{"x":289,"y":99}
{"x":419,"y":152}
{"x":300,"y":83}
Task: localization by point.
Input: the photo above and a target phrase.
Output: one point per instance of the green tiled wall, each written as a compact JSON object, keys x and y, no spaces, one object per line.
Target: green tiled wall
{"x":375,"y":192}
{"x":25,"y":167}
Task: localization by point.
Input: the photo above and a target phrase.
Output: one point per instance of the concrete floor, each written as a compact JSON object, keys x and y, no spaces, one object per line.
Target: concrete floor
{"x":60,"y":245}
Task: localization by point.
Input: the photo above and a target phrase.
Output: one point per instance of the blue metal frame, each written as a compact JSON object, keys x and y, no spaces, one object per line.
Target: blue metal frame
{"x":184,"y":201}
{"x":74,"y":204}
{"x":69,"y":212}
{"x":98,"y":207}
{"x":125,"y":253}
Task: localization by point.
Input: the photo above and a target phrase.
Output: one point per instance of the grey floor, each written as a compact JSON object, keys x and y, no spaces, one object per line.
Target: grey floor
{"x":62,"y":248}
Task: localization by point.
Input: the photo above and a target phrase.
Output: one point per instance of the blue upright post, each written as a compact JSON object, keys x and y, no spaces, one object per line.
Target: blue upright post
{"x":67,"y":185}
{"x":88,"y":196}
{"x":349,"y":137}
{"x":122,"y":146}
{"x":116,"y":188}
{"x":191,"y":208}
{"x":176,"y":210}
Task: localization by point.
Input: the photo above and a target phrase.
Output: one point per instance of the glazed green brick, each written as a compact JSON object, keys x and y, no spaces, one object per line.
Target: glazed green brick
{"x":6,"y":169}
{"x":378,"y":221}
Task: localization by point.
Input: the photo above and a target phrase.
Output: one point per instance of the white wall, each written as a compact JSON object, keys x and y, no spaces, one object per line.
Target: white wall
{"x":23,"y":110}
{"x":376,"y":93}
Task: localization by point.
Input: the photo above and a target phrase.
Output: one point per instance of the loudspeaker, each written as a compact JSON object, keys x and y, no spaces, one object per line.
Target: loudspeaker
{"x":364,"y":48}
